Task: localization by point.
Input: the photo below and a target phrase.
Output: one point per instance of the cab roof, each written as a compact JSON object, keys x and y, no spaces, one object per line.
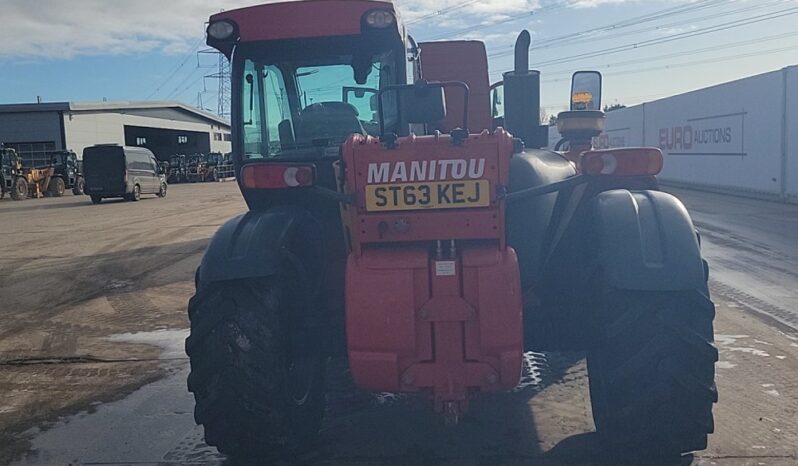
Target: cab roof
{"x":301,"y":19}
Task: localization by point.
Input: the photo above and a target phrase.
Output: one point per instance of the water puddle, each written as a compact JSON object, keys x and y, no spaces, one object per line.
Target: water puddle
{"x":726,"y":340}
{"x":171,"y":342}
{"x":117,"y":285}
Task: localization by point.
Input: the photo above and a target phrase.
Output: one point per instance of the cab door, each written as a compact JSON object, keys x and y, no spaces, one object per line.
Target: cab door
{"x":70,"y":169}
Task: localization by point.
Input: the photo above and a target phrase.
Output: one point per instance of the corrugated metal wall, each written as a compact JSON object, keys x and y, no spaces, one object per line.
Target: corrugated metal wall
{"x":740,"y":136}
{"x":791,"y":134}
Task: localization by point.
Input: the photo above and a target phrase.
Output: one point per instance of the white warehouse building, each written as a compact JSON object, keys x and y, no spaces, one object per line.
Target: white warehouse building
{"x":166,"y":128}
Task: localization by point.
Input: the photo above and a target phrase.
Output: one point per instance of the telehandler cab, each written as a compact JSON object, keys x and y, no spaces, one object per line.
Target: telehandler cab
{"x":67,"y":174}
{"x":434,"y":247}
{"x":176,"y":172}
{"x":199,"y":168}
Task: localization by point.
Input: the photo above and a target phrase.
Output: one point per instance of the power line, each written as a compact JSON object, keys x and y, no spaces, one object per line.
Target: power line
{"x":545,"y":9}
{"x":688,"y":64}
{"x":176,"y":70}
{"x":673,"y":37}
{"x":645,"y":18}
{"x":662,"y":26}
{"x":177,"y":93}
{"x":183,"y":82}
{"x":441,"y":12}
{"x":684,"y":53}
{"x":649,"y":17}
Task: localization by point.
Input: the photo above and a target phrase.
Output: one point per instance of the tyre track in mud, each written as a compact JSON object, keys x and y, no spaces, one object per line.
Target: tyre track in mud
{"x":123,"y":268}
{"x":129,"y":257}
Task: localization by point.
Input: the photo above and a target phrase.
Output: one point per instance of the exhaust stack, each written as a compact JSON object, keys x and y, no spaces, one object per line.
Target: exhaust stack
{"x":522,"y":98}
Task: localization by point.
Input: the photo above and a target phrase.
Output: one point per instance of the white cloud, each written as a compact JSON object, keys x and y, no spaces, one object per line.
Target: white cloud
{"x":59,"y":29}
{"x":482,"y":9}
{"x":64,"y":29}
{"x":595,"y":3}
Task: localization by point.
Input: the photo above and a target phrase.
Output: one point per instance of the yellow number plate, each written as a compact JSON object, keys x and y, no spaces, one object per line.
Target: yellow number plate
{"x":436,"y":195}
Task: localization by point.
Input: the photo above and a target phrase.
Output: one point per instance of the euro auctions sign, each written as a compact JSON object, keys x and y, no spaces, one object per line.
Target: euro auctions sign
{"x":716,"y":135}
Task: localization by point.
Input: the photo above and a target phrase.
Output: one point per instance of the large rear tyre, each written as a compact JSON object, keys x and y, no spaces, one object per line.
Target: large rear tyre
{"x":19,"y":189}
{"x":57,"y":187}
{"x":256,"y":395}
{"x":652,"y":375}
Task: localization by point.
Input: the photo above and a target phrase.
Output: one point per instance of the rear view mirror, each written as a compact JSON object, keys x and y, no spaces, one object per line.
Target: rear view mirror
{"x":425,"y":103}
{"x":422,"y":103}
{"x":361,"y":67}
{"x":586,"y":90}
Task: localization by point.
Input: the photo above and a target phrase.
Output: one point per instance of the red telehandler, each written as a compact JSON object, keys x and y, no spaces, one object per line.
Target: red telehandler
{"x":433,"y":241}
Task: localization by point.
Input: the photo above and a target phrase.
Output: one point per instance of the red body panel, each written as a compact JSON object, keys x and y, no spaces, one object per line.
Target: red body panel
{"x":433,"y":297}
{"x":465,"y":61}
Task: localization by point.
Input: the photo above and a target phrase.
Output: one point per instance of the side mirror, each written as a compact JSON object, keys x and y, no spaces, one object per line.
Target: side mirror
{"x":586,"y":90}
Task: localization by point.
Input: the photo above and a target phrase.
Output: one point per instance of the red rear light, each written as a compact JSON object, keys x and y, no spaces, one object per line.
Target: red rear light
{"x":628,"y":161}
{"x":277,"y":175}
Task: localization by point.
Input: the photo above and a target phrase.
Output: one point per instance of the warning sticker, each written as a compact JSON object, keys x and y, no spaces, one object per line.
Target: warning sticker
{"x":445,"y":269}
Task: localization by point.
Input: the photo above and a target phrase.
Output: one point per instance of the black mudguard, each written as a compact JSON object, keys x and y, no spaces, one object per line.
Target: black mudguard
{"x":647,"y":242}
{"x":249,"y":246}
{"x":528,"y":221}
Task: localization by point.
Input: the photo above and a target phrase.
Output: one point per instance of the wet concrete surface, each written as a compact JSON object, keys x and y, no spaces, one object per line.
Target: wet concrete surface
{"x":93,"y":372}
{"x":752,"y":249}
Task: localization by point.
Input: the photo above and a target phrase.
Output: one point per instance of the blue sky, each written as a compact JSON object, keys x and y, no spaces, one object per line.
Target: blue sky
{"x":146,"y":49}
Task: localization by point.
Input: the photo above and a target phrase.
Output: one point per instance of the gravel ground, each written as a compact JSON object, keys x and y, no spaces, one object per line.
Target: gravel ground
{"x":92,"y":305}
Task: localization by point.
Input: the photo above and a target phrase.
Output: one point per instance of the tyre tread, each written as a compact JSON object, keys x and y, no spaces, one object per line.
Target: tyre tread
{"x":652,"y":375}
{"x":237,"y":364}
